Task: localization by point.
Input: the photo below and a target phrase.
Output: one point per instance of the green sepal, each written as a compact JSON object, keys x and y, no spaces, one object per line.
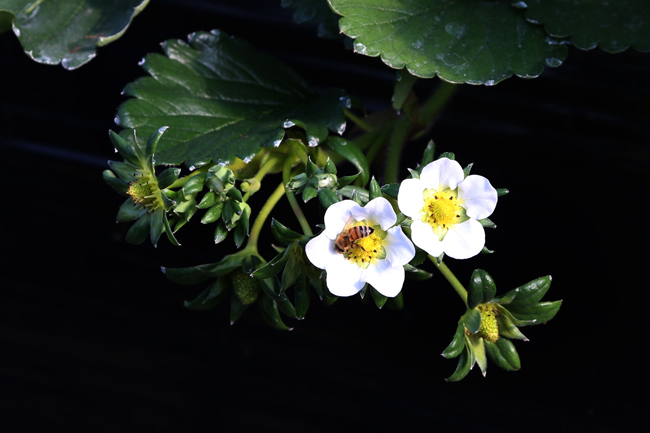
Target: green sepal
{"x":531,"y":292}
{"x":416,"y":274}
{"x":350,"y":151}
{"x":472,"y":320}
{"x":487,"y":223}
{"x":380,"y":300}
{"x":210,"y":297}
{"x":129,"y":211}
{"x":200,"y":273}
{"x":273,"y":267}
{"x":396,"y":303}
{"x":485,"y":250}
{"x":271,"y":314}
{"x":139,"y":230}
{"x":291,"y":270}
{"x":503,"y":354}
{"x":302,"y":295}
{"x":124,"y":170}
{"x":457,"y":344}
{"x":169,"y":232}
{"x":157,"y":225}
{"x":428,"y":155}
{"x":330,"y":167}
{"x":283,"y":234}
{"x":477,"y":349}
{"x":414,"y":173}
{"x":507,"y":298}
{"x":241,"y":231}
{"x":347,"y":180}
{"x":504,"y":314}
{"x":209,"y":199}
{"x":125,"y":149}
{"x":355,"y":198}
{"x":481,"y":288}
{"x":419,"y":258}
{"x":318,"y":282}
{"x":271,"y":286}
{"x":374,"y":189}
{"x":213,"y":214}
{"x":391,"y":190}
{"x":502,"y":191}
{"x":508,"y":329}
{"x":119,"y":185}
{"x":168,"y":177}
{"x":538,"y":313}
{"x":235,"y":194}
{"x":310,"y":168}
{"x":468,"y":169}
{"x":153,"y":140}
{"x":194,"y":184}
{"x":236,"y":308}
{"x":362,"y":292}
{"x":327,"y":197}
{"x":308,"y":193}
{"x":220,"y":232}
{"x":351,"y":191}
{"x":464,"y":364}
{"x":169,"y":203}
{"x":449,"y":155}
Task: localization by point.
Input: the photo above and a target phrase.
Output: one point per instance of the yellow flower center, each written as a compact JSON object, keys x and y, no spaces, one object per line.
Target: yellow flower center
{"x":441,"y":210}
{"x":368,"y":250}
{"x":489,"y":329}
{"x":144,"y":191}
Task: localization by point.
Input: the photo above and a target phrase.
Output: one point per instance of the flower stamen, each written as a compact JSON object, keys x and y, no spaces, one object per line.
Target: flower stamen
{"x":441,"y":210}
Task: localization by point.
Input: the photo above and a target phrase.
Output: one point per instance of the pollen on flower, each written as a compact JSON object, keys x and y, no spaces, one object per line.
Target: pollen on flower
{"x":368,"y":250}
{"x":489,"y":329}
{"x":441,"y":210}
{"x":144,"y":191}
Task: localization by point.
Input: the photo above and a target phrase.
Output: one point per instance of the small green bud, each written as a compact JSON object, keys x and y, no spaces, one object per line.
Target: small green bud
{"x":328,"y":181}
{"x":247,"y":288}
{"x":489,"y":329}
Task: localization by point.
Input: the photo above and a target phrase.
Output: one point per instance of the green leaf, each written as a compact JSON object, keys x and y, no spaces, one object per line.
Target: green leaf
{"x":503,"y":354}
{"x":68,"y":31}
{"x":508,"y":329}
{"x":125,"y":148}
{"x":327,"y":197}
{"x":119,"y":185}
{"x":210,"y":297}
{"x":169,"y":232}
{"x":200,"y":273}
{"x":291,"y":269}
{"x":481,"y":288}
{"x":350,"y":151}
{"x":315,"y":12}
{"x":168,"y":177}
{"x":614,"y":26}
{"x":124,"y":170}
{"x":481,"y":44}
{"x":129,"y":211}
{"x":538,"y":313}
{"x":273,"y":267}
{"x":403,"y":86}
{"x":352,"y":191}
{"x":157,"y":225}
{"x":271,"y":314}
{"x":531,"y":292}
{"x":428,"y":155}
{"x":374,"y":189}
{"x":245,"y":99}
{"x":464,"y":364}
{"x":302,"y":295}
{"x":154,"y":138}
{"x":457,"y":345}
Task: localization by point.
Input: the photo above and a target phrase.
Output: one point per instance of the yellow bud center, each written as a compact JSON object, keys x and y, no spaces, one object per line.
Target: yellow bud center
{"x":441,"y":210}
{"x":489,"y":329}
{"x":144,"y":191}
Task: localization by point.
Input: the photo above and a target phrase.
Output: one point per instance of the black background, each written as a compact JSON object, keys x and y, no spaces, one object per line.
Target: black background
{"x":94,"y":338}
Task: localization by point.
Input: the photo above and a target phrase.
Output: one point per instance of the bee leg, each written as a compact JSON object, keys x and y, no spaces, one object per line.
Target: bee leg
{"x":357,"y":245}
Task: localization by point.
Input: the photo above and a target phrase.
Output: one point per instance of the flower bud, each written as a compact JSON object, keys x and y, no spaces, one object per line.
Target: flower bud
{"x":489,"y":329}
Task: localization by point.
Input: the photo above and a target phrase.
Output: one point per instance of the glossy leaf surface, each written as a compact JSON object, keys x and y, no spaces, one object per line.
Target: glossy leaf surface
{"x":461,"y":41}
{"x":69,"y":31}
{"x":222,"y":99}
{"x":614,"y":26}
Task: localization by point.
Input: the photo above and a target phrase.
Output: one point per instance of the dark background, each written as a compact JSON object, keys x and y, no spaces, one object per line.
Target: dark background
{"x":94,"y":338}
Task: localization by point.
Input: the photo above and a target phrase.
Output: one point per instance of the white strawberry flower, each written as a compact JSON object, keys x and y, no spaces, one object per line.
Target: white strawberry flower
{"x":446,"y":208}
{"x":377,"y":259}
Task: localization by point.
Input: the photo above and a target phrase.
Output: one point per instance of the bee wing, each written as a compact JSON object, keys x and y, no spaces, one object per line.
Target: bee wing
{"x":348,"y":224}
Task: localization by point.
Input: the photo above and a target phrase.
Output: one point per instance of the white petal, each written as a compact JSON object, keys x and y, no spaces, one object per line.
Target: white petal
{"x":422,"y":235}
{"x":378,"y":211}
{"x":319,"y":250}
{"x":477,"y":196}
{"x":442,"y":173}
{"x":336,"y":216}
{"x":399,"y":249}
{"x":344,"y":279}
{"x":386,"y":279}
{"x":464,"y":240}
{"x":410,"y":197}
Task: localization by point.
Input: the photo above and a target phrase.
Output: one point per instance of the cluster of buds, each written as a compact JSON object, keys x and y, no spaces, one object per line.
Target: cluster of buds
{"x":313,"y":179}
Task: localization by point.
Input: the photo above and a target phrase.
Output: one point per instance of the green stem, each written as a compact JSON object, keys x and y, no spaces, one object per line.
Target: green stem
{"x":256,"y":181}
{"x":180,"y":182}
{"x":356,"y":119}
{"x":403,"y":129}
{"x":262,"y":215}
{"x":286,"y":177}
{"x":446,"y":272}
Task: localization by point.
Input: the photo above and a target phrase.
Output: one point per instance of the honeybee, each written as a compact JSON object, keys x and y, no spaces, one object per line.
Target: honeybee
{"x":350,"y":235}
